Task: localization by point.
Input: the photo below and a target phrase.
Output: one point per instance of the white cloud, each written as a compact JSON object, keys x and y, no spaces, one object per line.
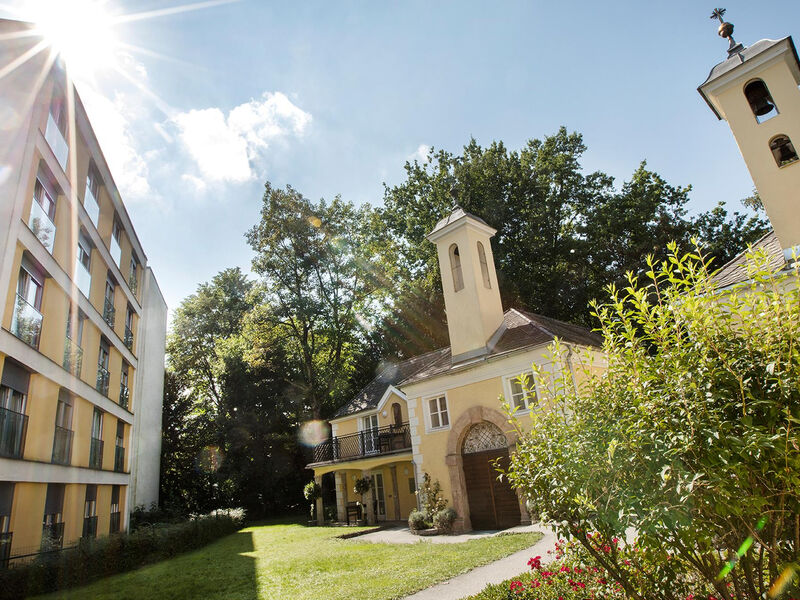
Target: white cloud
{"x":196,"y":183}
{"x":225,"y":147}
{"x":421,"y":154}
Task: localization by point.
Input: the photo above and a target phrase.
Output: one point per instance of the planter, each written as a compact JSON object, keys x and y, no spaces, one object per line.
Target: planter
{"x":425,"y":532}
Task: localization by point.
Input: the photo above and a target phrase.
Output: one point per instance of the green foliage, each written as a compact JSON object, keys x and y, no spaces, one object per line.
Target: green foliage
{"x":689,"y":436}
{"x":430,"y":497}
{"x":312,"y":491}
{"x":417,"y":520}
{"x":362,"y":486}
{"x":94,"y":559}
{"x":444,"y":519}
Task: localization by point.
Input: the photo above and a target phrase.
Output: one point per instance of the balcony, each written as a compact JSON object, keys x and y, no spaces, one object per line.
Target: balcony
{"x":102,"y":380}
{"x":116,"y":251}
{"x":52,"y":537}
{"x":26,"y":323}
{"x":83,"y":279}
{"x":119,"y":459}
{"x":13,"y":426}
{"x":133,"y":283}
{"x":124,"y":396}
{"x":57,"y":142}
{"x":368,"y":443}
{"x":91,"y":205}
{"x":89,"y":527}
{"x":62,"y":446}
{"x":109,"y":313}
{"x":73,"y":357}
{"x":5,"y":548}
{"x":96,"y":454}
{"x":41,"y":226}
{"x":115,"y":522}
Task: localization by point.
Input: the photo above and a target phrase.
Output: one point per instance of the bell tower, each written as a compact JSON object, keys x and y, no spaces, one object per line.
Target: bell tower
{"x":469,"y":282}
{"x":756,"y":91}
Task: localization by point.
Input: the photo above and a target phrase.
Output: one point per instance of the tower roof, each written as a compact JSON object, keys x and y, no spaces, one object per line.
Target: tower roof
{"x":455,"y":216}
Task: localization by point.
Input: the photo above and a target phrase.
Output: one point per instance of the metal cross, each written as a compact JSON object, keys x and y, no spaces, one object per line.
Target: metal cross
{"x":718,"y":14}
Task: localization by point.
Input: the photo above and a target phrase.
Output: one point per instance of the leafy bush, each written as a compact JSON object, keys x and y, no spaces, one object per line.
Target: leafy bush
{"x":155,"y":514}
{"x":362,"y":486}
{"x":417,"y":521}
{"x":430,"y":497}
{"x":93,"y":559}
{"x":689,"y":436}
{"x":312,"y":491}
{"x":444,"y":519}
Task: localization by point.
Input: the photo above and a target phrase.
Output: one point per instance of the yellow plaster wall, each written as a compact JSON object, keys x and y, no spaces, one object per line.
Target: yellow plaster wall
{"x":74,"y":500}
{"x":11,"y":296}
{"x":26,"y":515}
{"x":103,"y":509}
{"x":41,"y":411}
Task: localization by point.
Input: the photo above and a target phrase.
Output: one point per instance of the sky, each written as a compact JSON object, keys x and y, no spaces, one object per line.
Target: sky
{"x":332,"y":97}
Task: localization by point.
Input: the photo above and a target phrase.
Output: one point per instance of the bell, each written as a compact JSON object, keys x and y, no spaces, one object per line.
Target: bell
{"x":759,"y":98}
{"x":787,"y":154}
{"x":761,"y":106}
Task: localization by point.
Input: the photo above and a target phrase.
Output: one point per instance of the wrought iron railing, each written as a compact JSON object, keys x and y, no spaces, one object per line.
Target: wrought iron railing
{"x":102,"y":380}
{"x":13,"y":427}
{"x":115,"y":522}
{"x":89,"y":527}
{"x":128,"y":338}
{"x":52,"y":537}
{"x":119,"y":459}
{"x":370,"y":442}
{"x":5,"y":548}
{"x":133,"y":283}
{"x":26,"y":323}
{"x":62,"y":446}
{"x":124,"y":396}
{"x":109,"y":312}
{"x":73,"y":357}
{"x":96,"y":454}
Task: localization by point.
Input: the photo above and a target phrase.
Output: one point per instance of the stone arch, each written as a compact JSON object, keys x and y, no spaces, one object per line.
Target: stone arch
{"x":454,"y":461}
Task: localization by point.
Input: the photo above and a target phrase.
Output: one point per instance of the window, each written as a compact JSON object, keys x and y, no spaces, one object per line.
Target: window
{"x":13,"y":402}
{"x":412,"y":485}
{"x":30,"y":287}
{"x":62,"y":438}
{"x":119,"y":448}
{"x":129,"y":327}
{"x":109,"y":312}
{"x":783,"y":150}
{"x":90,"y":512}
{"x":115,"y":248}
{"x":58,"y":111}
{"x":523,"y":391}
{"x":369,"y":434}
{"x":75,"y":320}
{"x":397,"y":414}
{"x":484,"y":266}
{"x":437,"y":408}
{"x":102,"y":368}
{"x":43,"y":214}
{"x":96,"y":444}
{"x":52,"y":522}
{"x":73,"y":352}
{"x":760,"y":100}
{"x":114,"y":526}
{"x":83,"y":265}
{"x":6,"y":501}
{"x":56,"y":129}
{"x":133,"y":281}
{"x":97,"y":424}
{"x":90,"y":198}
{"x":124,"y":392}
{"x":455,"y":268}
{"x":26,"y":322}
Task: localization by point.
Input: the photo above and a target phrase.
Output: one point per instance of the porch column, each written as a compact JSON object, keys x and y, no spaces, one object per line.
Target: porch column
{"x":395,"y":493}
{"x":319,"y":507}
{"x":341,"y":491}
{"x":369,"y":499}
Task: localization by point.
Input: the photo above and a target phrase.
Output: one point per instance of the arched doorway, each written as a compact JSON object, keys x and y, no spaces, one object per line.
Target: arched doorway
{"x":493,"y":504}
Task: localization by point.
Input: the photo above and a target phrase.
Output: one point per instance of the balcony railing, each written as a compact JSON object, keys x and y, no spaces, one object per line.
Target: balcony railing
{"x":96,"y":454}
{"x":26,"y":323}
{"x":109,"y":312}
{"x":57,"y":142}
{"x":370,"y":442}
{"x":124,"y":396}
{"x":91,"y":205}
{"x":128,"y":338}
{"x":5,"y":548}
{"x":89,"y":527}
{"x":52,"y":537}
{"x":62,"y":446}
{"x":116,"y":251}
{"x":133,"y":283}
{"x":83,"y":278}
{"x":13,"y":427}
{"x":102,"y":380}
{"x":115,"y":523}
{"x":119,"y":459}
{"x":41,"y":226}
{"x":73,"y":357}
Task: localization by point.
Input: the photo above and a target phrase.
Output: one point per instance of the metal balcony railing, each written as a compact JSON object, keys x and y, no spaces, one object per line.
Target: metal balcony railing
{"x":26,"y":323}
{"x":128,"y":338}
{"x":124,"y":396}
{"x":89,"y":527}
{"x":115,"y":522}
{"x":52,"y":537}
{"x":109,"y":313}
{"x":56,"y":141}
{"x":5,"y":548}
{"x":83,"y":279}
{"x":102,"y":380}
{"x":13,"y":427}
{"x":115,"y":250}
{"x":73,"y":357}
{"x":119,"y":459}
{"x":133,"y":283}
{"x":91,"y":205}
{"x":62,"y":446}
{"x":96,"y":454}
{"x":370,"y":442}
{"x":41,"y":226}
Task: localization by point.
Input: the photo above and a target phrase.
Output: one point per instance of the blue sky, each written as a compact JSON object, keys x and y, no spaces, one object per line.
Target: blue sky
{"x":333,"y":98}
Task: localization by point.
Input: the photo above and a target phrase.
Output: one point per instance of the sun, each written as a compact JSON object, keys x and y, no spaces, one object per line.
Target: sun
{"x":81,"y":31}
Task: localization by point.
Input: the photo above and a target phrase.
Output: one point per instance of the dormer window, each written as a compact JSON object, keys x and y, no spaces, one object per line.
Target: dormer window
{"x":455,"y":267}
{"x":760,"y":100}
{"x":487,"y":283}
{"x":783,"y":150}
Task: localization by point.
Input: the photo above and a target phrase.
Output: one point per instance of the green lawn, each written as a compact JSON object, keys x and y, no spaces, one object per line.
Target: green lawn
{"x":282,"y":561}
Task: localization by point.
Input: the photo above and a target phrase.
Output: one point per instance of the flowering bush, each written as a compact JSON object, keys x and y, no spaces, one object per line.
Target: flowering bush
{"x":417,"y":520}
{"x":444,"y":519}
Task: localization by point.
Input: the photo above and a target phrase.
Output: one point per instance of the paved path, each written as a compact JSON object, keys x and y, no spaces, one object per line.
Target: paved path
{"x":474,"y":581}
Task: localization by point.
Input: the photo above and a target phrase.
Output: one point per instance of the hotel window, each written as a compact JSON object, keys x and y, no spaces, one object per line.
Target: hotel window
{"x":53,"y":522}
{"x":90,"y":512}
{"x":455,"y":268}
{"x":43,"y":215}
{"x":484,"y":266}
{"x":13,"y":402}
{"x":437,"y":408}
{"x":26,"y":322}
{"x":6,"y":501}
{"x":523,"y":391}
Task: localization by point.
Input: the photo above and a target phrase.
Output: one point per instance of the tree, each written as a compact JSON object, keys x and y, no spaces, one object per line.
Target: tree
{"x":726,"y":236}
{"x":689,"y":436}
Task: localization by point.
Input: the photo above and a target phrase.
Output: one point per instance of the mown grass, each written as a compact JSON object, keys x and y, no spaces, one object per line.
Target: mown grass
{"x":281,"y":561}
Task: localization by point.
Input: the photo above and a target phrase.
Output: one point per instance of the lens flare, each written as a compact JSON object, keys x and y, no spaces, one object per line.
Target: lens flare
{"x":313,"y":433}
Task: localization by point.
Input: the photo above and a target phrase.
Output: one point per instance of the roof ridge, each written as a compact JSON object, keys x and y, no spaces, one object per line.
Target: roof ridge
{"x":741,"y":254}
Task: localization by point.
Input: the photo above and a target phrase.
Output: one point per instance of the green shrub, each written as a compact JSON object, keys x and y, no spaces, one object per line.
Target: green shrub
{"x":444,"y":519}
{"x":93,"y":559}
{"x":417,"y":520}
{"x":430,"y":497}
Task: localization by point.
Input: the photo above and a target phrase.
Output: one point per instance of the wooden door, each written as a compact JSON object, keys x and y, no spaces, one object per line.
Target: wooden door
{"x":493,"y":504}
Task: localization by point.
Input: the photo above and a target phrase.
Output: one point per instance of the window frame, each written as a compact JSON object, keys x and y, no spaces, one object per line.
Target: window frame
{"x":508,"y":385}
{"x":442,"y":397}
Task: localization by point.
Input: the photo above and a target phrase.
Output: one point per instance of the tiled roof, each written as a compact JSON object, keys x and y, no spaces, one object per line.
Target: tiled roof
{"x":458,"y":213}
{"x":519,"y":330}
{"x":735,"y":271}
{"x":740,"y":57}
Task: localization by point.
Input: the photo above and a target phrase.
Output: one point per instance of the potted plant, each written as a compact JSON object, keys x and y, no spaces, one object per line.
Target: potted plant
{"x":361,"y":487}
{"x":312,"y":492}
